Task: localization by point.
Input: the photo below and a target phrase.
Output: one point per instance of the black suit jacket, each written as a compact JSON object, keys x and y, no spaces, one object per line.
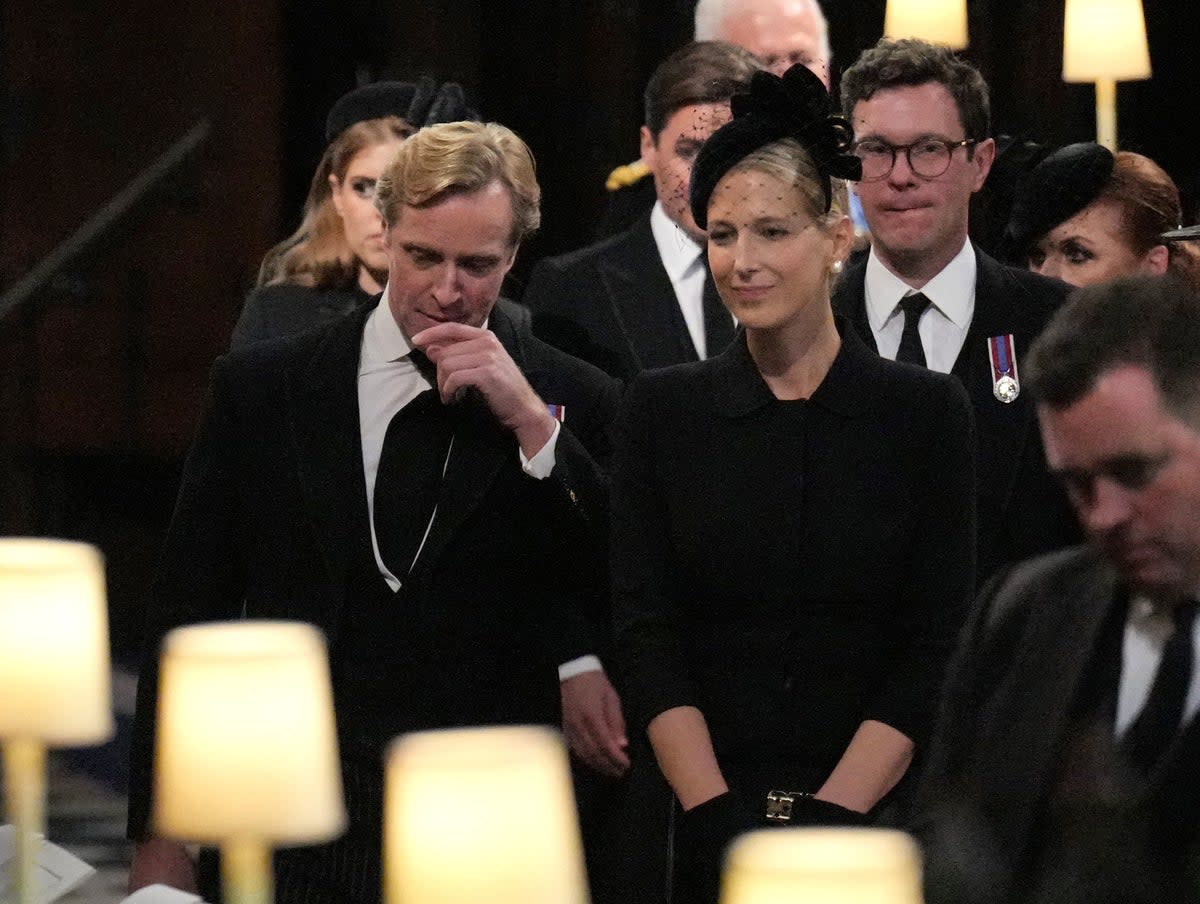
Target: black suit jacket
{"x":613,"y":305}
{"x":1021,"y":509}
{"x":1035,"y":642}
{"x":272,"y":519}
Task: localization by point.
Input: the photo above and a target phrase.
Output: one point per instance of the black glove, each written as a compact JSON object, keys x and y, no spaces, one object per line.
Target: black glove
{"x":809,"y":811}
{"x":706,"y":830}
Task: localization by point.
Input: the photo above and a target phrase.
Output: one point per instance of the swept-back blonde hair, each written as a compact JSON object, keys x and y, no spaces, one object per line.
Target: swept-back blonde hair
{"x":461,"y":158}
{"x":317,"y":254}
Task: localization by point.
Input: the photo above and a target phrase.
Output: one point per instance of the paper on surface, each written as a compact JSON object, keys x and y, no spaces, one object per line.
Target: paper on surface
{"x":55,"y":873}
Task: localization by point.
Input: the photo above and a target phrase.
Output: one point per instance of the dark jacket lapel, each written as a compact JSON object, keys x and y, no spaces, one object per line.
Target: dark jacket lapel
{"x":643,"y":300}
{"x":323,"y":412}
{"x":1029,"y":725}
{"x":1003,"y":429}
{"x":850,"y":300}
{"x":480,"y":448}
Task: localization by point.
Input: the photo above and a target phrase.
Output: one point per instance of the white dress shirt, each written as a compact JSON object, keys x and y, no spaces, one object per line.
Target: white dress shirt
{"x":387,"y":381}
{"x":944,"y":325}
{"x":1146,"y":631}
{"x":684,"y":262}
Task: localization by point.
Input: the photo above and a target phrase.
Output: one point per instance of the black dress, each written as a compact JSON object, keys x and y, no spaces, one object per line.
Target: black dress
{"x":791,"y":568}
{"x":285,"y":309}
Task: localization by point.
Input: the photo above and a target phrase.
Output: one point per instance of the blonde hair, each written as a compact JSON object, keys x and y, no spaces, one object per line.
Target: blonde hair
{"x":461,"y":158}
{"x":790,"y":162}
{"x":317,"y":254}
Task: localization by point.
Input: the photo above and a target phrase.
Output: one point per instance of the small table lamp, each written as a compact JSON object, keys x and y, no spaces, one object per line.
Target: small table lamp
{"x":246,"y":748}
{"x":54,"y":674}
{"x":1104,"y":41}
{"x":936,"y":21}
{"x":822,"y":866}
{"x":481,"y":816}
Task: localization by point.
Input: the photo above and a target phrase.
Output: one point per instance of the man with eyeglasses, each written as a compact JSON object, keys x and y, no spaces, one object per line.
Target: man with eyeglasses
{"x":1064,"y":765}
{"x":925,"y":295}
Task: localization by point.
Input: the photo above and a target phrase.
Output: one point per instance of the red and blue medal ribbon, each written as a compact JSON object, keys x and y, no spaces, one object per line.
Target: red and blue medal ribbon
{"x":558,"y":412}
{"x":1006,"y":382}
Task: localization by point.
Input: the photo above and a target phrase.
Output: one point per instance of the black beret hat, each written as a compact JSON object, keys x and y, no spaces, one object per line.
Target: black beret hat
{"x":419,"y":104}
{"x":1063,"y":184}
{"x":794,"y":106}
{"x":373,"y":101}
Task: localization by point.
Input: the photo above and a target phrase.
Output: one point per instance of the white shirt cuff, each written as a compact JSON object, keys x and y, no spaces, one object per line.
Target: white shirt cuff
{"x":578,"y":666}
{"x":542,"y":463}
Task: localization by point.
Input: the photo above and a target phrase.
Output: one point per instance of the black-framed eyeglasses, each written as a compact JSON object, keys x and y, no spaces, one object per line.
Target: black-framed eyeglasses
{"x":927,"y":157}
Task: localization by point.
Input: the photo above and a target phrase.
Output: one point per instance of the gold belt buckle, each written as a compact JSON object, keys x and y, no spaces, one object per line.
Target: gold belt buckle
{"x":779,"y":805}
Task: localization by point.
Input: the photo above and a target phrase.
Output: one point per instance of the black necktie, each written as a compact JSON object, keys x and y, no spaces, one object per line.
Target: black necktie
{"x":409,"y":478}
{"x":718,"y":323}
{"x":1156,"y":725}
{"x":911,"y":350}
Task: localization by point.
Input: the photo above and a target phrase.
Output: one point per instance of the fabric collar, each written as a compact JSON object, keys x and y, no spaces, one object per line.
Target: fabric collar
{"x":676,"y":248}
{"x":952,"y":291}
{"x":738,"y":387}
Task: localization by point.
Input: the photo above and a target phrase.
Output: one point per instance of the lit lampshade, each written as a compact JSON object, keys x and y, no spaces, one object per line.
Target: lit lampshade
{"x":936,"y":21}
{"x":1104,"y":41}
{"x":54,"y":668}
{"x":54,"y":674}
{"x":246,"y":751}
{"x":481,"y":815}
{"x":822,"y":866}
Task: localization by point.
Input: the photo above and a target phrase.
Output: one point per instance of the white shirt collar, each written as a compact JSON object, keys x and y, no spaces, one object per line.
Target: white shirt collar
{"x":383,"y":340}
{"x":678,"y":250}
{"x":952,"y":291}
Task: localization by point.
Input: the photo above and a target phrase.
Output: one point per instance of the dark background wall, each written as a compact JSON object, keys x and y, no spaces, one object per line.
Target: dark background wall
{"x":103,"y":371}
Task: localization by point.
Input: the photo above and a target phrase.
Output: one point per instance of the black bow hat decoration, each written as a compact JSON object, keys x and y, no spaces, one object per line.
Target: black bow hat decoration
{"x":794,"y":106}
{"x":420,"y":104}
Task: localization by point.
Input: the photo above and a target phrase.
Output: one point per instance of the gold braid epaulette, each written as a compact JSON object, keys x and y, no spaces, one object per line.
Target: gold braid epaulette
{"x":624,"y":176}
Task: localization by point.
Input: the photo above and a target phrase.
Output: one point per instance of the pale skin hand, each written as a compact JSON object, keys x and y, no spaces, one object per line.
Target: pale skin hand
{"x":157,"y":860}
{"x":876,"y":758}
{"x":593,"y":723}
{"x":874,"y":761}
{"x":469,"y":357}
{"x":683,"y":748}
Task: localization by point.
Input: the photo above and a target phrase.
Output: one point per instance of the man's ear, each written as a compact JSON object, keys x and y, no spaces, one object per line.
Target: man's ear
{"x":984,"y":157}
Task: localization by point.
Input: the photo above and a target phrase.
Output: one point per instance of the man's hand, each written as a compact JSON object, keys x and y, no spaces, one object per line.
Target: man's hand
{"x":593,"y":723}
{"x":468,"y":357}
{"x":157,"y":860}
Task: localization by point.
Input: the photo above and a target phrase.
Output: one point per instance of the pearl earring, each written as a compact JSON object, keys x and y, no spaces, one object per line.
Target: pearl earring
{"x":835,"y":268}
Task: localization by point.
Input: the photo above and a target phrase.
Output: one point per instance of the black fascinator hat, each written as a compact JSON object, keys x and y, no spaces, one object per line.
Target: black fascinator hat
{"x":794,"y":106}
{"x":419,"y":104}
{"x":1064,"y":183}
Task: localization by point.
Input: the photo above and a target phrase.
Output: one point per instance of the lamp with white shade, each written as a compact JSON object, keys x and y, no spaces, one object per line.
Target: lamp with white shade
{"x":54,"y":674}
{"x":246,"y":754}
{"x":936,"y":21}
{"x":481,"y":815}
{"x":1104,"y":41}
{"x":822,"y":866}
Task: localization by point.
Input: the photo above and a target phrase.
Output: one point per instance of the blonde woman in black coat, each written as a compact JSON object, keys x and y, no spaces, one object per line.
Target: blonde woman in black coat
{"x":793,"y":520}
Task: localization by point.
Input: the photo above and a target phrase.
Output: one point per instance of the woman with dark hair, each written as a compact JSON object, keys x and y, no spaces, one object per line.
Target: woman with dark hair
{"x":793,"y":536}
{"x":1086,"y":215}
{"x":336,"y":259}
